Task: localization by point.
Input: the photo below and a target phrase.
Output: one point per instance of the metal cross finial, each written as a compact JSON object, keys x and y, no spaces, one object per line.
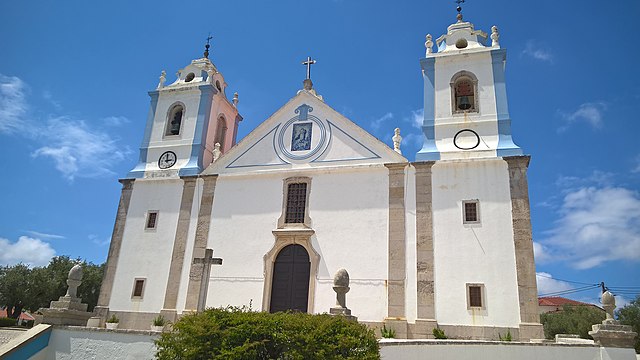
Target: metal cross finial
{"x":206,"y":47}
{"x":309,"y":62}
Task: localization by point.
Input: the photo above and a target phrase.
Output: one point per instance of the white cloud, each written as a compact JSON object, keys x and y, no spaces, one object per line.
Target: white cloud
{"x":78,"y":150}
{"x":412,"y":140}
{"x":548,"y":285}
{"x":100,"y":242}
{"x":13,"y":106}
{"x":377,"y":123}
{"x":541,"y":253}
{"x":45,"y":236}
{"x":115,"y":121}
{"x":599,"y":178}
{"x":537,"y":51}
{"x":589,"y":113}
{"x":417,"y":118}
{"x":596,"y":225}
{"x":636,"y":168}
{"x":30,"y":251}
{"x":49,"y":97}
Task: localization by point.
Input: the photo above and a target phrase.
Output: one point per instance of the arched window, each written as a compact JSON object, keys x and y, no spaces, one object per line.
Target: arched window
{"x":174,"y":122}
{"x":464,"y":91}
{"x":221,"y":131}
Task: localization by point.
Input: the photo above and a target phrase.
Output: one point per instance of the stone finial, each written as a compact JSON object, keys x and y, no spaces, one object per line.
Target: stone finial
{"x":210,"y":73}
{"x":341,"y":287}
{"x":235,"y":99}
{"x":216,"y":151}
{"x":429,"y":44}
{"x":74,"y":280}
{"x":163,"y":78}
{"x":610,"y":333}
{"x":397,"y":140}
{"x":494,"y":36}
{"x":307,"y":84}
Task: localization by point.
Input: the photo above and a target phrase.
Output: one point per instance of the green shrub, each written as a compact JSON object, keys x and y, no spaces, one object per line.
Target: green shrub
{"x":387,"y":333}
{"x":159,"y":321}
{"x":506,"y":337}
{"x":571,"y":320}
{"x":238,"y":333}
{"x":6,"y":322}
{"x":439,"y":334}
{"x":113,"y":319}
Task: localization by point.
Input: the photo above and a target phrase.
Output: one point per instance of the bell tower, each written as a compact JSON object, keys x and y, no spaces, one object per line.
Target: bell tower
{"x":465,"y":98}
{"x":186,"y":120}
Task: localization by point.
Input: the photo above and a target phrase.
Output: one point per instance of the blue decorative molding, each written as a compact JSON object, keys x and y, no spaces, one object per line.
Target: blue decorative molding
{"x":506,"y":146}
{"x":230,"y":166}
{"x":303,"y":111}
{"x":138,"y":171}
{"x":195,"y":166}
{"x":331,"y":127}
{"x":429,"y":149}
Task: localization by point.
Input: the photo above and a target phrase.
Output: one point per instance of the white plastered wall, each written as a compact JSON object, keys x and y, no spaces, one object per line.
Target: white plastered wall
{"x":349,"y":213}
{"x":474,"y":253}
{"x":147,"y":253}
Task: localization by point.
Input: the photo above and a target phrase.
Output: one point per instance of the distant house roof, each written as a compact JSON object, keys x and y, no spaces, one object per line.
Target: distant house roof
{"x":558,"y":301}
{"x":24,"y":316}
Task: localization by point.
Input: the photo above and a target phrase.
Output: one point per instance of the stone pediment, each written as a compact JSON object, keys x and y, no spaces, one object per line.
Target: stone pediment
{"x":304,"y":132}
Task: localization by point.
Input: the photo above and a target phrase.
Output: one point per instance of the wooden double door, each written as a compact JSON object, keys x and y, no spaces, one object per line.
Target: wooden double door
{"x":290,"y":283}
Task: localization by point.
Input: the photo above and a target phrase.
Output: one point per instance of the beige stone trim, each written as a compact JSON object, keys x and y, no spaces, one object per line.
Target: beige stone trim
{"x":397,"y":247}
{"x":284,"y":237}
{"x":285,"y":196}
{"x":116,"y":243}
{"x":424,"y":241}
{"x":468,"y":332}
{"x":200,"y":242}
{"x":520,"y":213}
{"x":179,"y":244}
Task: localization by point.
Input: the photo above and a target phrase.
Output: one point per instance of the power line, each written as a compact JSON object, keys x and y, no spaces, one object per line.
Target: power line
{"x":571,"y":291}
{"x":569,"y":281}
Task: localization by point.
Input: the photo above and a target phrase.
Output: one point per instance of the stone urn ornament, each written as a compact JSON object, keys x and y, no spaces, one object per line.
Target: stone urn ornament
{"x":341,"y":287}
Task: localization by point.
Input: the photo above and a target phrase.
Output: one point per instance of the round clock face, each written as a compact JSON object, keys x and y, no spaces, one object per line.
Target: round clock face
{"x":167,"y":160}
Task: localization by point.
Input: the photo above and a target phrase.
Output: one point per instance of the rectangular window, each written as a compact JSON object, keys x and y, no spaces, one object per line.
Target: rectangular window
{"x":152,"y":220}
{"x":475,"y":296}
{"x":296,"y":202}
{"x":470,"y":213}
{"x":138,"y":289}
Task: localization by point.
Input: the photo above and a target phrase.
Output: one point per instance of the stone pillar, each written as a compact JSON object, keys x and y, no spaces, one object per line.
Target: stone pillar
{"x":69,"y":309}
{"x":530,"y":327}
{"x":425,"y":323}
{"x":200,"y":245}
{"x":179,"y":246}
{"x":396,"y":317}
{"x":102,"y":309}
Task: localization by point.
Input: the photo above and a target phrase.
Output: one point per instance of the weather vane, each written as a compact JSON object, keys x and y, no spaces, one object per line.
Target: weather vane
{"x":459,"y":8}
{"x":206,"y":47}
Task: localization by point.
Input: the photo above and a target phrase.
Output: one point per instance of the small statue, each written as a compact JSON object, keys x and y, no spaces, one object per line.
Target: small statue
{"x":397,"y":140}
{"x":429,"y":44}
{"x":235,"y":99}
{"x":494,"y":36}
{"x":163,"y":78}
{"x":216,"y":152}
{"x":74,"y":280}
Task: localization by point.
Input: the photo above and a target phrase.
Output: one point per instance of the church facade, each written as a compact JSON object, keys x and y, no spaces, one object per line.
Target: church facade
{"x":444,"y":241}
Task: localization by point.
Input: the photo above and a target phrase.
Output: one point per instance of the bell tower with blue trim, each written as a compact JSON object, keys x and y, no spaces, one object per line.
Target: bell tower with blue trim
{"x":465,"y":99}
{"x":186,"y":120}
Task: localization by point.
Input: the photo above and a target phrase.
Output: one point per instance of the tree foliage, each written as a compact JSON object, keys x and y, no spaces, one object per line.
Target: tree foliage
{"x":571,"y":320}
{"x":630,"y":315}
{"x":37,"y":287}
{"x":237,"y":333}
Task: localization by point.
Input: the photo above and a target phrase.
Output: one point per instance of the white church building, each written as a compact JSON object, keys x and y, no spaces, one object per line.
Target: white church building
{"x":444,"y":241}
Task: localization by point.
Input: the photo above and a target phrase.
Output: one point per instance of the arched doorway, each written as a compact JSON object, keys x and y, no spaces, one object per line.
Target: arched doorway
{"x":290,"y":284}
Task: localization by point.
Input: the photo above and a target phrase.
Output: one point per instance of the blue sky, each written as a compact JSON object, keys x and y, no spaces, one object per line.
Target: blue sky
{"x":74,"y":77}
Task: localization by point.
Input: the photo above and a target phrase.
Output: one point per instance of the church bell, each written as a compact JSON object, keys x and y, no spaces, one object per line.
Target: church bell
{"x":463,"y":103}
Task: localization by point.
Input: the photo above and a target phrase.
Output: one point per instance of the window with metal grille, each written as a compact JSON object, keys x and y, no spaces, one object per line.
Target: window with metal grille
{"x":475,"y":296}
{"x":296,"y":202}
{"x":138,"y":288}
{"x":152,"y":218}
{"x":470,"y":212}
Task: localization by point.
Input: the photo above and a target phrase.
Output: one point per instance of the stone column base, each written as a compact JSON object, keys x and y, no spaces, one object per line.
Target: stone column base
{"x":613,"y":335}
{"x":344,"y":312}
{"x":530,"y":331}
{"x":422,"y":329}
{"x":400,"y":326}
{"x":64,"y":317}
